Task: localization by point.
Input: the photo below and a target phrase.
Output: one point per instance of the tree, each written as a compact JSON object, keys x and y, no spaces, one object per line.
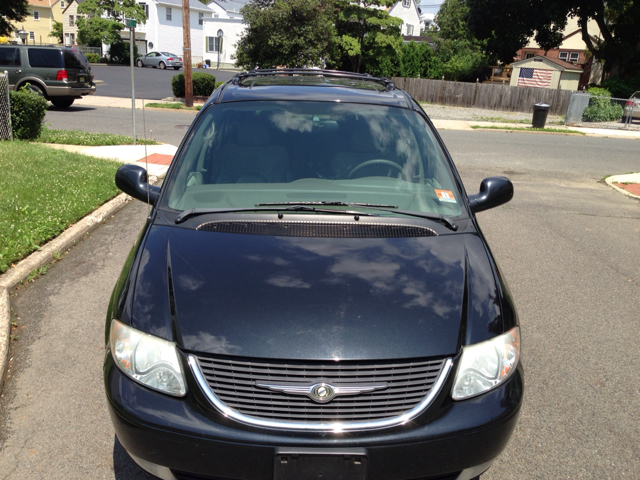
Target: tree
{"x":507,"y":25}
{"x":459,"y":51}
{"x":295,"y":33}
{"x":366,"y":34}
{"x":11,"y":11}
{"x":105,"y":19}
{"x":57,"y":31}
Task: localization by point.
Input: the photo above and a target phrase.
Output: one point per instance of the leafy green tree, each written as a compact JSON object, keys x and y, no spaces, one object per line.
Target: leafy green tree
{"x":367,"y":36}
{"x":57,"y":31}
{"x":105,"y":19}
{"x":507,"y":25}
{"x":295,"y":33}
{"x":11,"y":11}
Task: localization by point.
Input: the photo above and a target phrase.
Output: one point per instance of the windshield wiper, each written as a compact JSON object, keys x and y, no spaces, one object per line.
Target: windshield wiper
{"x":385,"y":208}
{"x":294,"y":208}
{"x":333,"y":203}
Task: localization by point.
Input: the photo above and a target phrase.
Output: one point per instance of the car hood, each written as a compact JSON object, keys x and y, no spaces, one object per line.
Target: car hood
{"x":316,"y":298}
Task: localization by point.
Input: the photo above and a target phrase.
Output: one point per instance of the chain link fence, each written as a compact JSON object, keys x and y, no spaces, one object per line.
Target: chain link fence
{"x":5,"y":108}
{"x":586,"y":110}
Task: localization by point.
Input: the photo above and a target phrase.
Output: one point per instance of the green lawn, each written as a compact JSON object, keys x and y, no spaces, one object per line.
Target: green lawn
{"x":520,"y":129}
{"x":43,"y":191}
{"x":78,"y":137}
{"x":173,"y":106}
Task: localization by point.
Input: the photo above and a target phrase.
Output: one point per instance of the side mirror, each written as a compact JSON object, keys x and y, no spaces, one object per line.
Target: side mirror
{"x":494,"y":191}
{"x":132,"y":180}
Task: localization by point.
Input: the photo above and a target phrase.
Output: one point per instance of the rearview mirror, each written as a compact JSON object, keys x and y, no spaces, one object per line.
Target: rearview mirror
{"x":132,"y":180}
{"x":494,"y":191}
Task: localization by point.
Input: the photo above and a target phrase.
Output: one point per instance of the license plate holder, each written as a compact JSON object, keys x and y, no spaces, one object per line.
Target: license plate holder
{"x":326,"y":464}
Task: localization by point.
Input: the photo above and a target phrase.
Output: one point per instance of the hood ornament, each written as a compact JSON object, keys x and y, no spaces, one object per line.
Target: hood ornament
{"x":320,"y":392}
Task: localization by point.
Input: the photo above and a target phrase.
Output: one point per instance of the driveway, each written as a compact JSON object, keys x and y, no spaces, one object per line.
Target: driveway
{"x":567,"y":245}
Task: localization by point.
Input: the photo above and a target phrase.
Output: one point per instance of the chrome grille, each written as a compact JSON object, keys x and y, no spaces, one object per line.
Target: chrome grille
{"x":233,"y":383}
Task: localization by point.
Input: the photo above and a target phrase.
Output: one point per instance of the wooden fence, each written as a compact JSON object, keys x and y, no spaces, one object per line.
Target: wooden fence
{"x":484,"y":95}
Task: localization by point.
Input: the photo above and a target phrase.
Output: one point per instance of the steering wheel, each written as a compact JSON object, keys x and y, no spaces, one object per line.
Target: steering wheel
{"x":375,"y":161}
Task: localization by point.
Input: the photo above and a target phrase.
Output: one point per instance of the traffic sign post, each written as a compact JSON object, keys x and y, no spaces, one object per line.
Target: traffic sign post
{"x":132,"y":37}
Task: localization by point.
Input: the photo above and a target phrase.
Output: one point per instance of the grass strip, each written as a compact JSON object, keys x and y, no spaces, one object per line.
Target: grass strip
{"x":78,"y":137}
{"x":43,"y":191}
{"x":521,"y":129}
{"x":510,"y":120}
{"x":173,"y":106}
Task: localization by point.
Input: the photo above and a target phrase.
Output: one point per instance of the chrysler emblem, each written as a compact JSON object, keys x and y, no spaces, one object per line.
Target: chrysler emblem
{"x":320,"y":392}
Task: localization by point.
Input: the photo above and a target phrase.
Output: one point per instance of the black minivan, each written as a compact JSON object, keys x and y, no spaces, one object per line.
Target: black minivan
{"x":311,"y":296}
{"x":60,"y":74}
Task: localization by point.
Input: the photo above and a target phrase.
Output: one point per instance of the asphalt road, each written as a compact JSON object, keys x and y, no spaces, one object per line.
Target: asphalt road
{"x":567,"y":244}
{"x":150,"y":83}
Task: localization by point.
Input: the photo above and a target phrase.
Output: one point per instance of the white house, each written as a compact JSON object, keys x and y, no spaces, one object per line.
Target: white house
{"x":220,"y":38}
{"x":407,"y":11}
{"x":226,"y":8}
{"x":163,"y":28}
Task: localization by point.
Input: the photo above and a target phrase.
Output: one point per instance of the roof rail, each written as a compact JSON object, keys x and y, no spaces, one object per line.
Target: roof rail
{"x":387,"y":83}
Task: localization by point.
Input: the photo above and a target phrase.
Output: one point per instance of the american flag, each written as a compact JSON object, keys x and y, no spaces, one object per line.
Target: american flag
{"x":534,"y":77}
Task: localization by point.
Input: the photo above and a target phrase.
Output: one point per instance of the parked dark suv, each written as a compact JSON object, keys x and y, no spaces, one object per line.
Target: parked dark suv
{"x":311,"y":296}
{"x":60,"y":74}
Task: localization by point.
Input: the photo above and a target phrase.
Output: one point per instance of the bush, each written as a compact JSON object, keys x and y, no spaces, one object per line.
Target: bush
{"x":203,"y":84}
{"x":92,"y":57}
{"x":103,"y":60}
{"x":219,"y":83}
{"x":620,"y":88}
{"x":119,"y":52}
{"x":600,"y":108}
{"x":27,"y":113}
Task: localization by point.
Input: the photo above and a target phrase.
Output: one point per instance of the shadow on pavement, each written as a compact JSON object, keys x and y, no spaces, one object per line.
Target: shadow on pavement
{"x":72,"y":108}
{"x":124,"y":468}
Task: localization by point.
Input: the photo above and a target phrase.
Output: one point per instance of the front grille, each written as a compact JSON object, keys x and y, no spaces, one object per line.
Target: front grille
{"x":233,"y":382}
{"x":318,"y":229}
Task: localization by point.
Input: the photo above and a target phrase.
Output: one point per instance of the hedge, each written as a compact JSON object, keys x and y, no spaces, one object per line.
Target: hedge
{"x":203,"y":84}
{"x":27,"y":113}
{"x":92,"y":57}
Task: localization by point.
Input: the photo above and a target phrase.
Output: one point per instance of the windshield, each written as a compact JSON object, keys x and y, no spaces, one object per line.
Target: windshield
{"x":242,"y":154}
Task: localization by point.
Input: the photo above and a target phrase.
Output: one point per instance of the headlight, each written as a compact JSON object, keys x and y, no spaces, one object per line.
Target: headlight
{"x":486,"y":365}
{"x":149,"y":360}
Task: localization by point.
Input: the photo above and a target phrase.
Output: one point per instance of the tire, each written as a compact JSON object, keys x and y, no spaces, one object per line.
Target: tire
{"x":176,"y":68}
{"x":62,"y":102}
{"x":140,"y":64}
{"x":162,"y":65}
{"x":35,"y":88}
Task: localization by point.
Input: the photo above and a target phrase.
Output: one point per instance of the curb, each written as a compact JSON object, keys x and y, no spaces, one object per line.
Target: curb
{"x":21,"y":271}
{"x":616,"y":179}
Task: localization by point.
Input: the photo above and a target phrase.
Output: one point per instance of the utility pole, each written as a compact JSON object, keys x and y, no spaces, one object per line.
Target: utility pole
{"x":186,"y":40}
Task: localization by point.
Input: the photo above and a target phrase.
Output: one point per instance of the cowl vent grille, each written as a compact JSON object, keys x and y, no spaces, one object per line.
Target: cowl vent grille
{"x":318,"y":229}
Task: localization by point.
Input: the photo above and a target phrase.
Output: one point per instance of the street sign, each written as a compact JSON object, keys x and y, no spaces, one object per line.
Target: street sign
{"x":130,"y":23}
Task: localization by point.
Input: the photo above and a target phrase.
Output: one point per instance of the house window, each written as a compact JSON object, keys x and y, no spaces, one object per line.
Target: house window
{"x":573,"y":56}
{"x":216,"y":16}
{"x":72,"y":37}
{"x":32,"y":36}
{"x":61,"y":3}
{"x":213,"y":44}
{"x":406,"y":3}
{"x":36,"y":15}
{"x":145,"y":7}
{"x":409,"y":29}
{"x":169,"y":14}
{"x":200,"y":17}
{"x":71,"y":21}
{"x":529,"y":55}
{"x":564,"y":56}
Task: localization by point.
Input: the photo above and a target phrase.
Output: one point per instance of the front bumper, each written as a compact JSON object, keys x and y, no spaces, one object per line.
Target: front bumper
{"x":451,"y":439}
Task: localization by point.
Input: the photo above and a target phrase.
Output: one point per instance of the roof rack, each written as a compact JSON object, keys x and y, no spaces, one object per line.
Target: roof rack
{"x":387,"y":83}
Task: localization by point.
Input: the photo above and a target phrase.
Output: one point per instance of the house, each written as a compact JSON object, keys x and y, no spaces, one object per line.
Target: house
{"x":40,"y":21}
{"x":69,"y":22}
{"x":222,"y":33}
{"x":545,"y":72}
{"x":226,"y":8}
{"x":572,"y":50}
{"x":163,"y":29}
{"x":407,"y":11}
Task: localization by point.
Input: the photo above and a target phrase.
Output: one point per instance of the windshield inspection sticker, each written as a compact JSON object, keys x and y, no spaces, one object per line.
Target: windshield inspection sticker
{"x":445,"y":195}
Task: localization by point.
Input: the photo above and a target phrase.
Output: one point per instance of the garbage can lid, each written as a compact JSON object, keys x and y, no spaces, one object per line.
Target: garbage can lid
{"x":542,"y":105}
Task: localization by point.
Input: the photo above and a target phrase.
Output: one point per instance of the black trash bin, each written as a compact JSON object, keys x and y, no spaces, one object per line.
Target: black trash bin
{"x":540,"y":112}
{"x":208,"y":62}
